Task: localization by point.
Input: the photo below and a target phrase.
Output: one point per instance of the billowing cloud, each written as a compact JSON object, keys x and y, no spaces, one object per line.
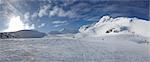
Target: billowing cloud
{"x":29,"y":26}
{"x":15,"y":24}
{"x":56,"y":11}
{"x":27,"y":17}
{"x":34,"y":15}
{"x":27,"y":21}
{"x":44,"y":10}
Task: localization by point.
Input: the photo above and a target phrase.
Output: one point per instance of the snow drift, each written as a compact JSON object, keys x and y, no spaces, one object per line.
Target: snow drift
{"x":112,"y":26}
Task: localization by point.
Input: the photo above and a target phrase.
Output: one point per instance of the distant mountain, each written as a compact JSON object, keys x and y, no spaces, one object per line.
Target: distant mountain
{"x":22,"y":34}
{"x":121,"y":25}
{"x":63,"y":31}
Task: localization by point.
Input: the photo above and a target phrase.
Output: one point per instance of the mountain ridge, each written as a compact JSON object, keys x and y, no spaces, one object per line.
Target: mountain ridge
{"x":22,"y":34}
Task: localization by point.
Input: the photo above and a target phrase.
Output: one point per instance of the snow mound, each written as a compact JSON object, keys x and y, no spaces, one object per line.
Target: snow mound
{"x":112,"y":26}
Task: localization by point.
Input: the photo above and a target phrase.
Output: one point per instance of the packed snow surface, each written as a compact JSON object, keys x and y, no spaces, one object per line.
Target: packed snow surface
{"x":118,"y":48}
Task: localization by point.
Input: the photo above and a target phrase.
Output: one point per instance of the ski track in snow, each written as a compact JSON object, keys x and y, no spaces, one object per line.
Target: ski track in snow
{"x":125,"y":48}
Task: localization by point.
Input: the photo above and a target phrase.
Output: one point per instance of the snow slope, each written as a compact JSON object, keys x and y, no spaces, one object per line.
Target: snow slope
{"x":120,"y":25}
{"x":118,"y":48}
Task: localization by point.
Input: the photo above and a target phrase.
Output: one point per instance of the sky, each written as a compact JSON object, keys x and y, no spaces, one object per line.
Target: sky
{"x":65,"y":15}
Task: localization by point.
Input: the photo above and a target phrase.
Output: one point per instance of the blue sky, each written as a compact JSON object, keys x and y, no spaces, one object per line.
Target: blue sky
{"x":68,"y":15}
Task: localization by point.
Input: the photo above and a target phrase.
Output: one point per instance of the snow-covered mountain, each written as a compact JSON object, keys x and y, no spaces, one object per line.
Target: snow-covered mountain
{"x":111,"y":26}
{"x":22,"y":34}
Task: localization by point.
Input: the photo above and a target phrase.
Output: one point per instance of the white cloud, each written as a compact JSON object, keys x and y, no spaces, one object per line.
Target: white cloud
{"x":62,"y":29}
{"x":15,"y":24}
{"x":44,"y":10}
{"x":27,"y":21}
{"x":57,"y":11}
{"x":42,"y":25}
{"x":28,"y":26}
{"x":92,"y":18}
{"x":59,"y":22}
{"x":26,"y":17}
{"x":63,"y":13}
{"x":54,"y":11}
{"x":34,"y":15}
{"x":50,"y":1}
{"x":57,"y":25}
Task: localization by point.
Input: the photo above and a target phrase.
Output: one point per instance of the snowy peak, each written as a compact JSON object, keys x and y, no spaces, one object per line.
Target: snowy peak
{"x":105,"y":19}
{"x":121,"y":25}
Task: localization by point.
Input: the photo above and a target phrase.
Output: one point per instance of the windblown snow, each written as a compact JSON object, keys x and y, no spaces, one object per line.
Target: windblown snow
{"x":109,"y":40}
{"x":120,"y":25}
